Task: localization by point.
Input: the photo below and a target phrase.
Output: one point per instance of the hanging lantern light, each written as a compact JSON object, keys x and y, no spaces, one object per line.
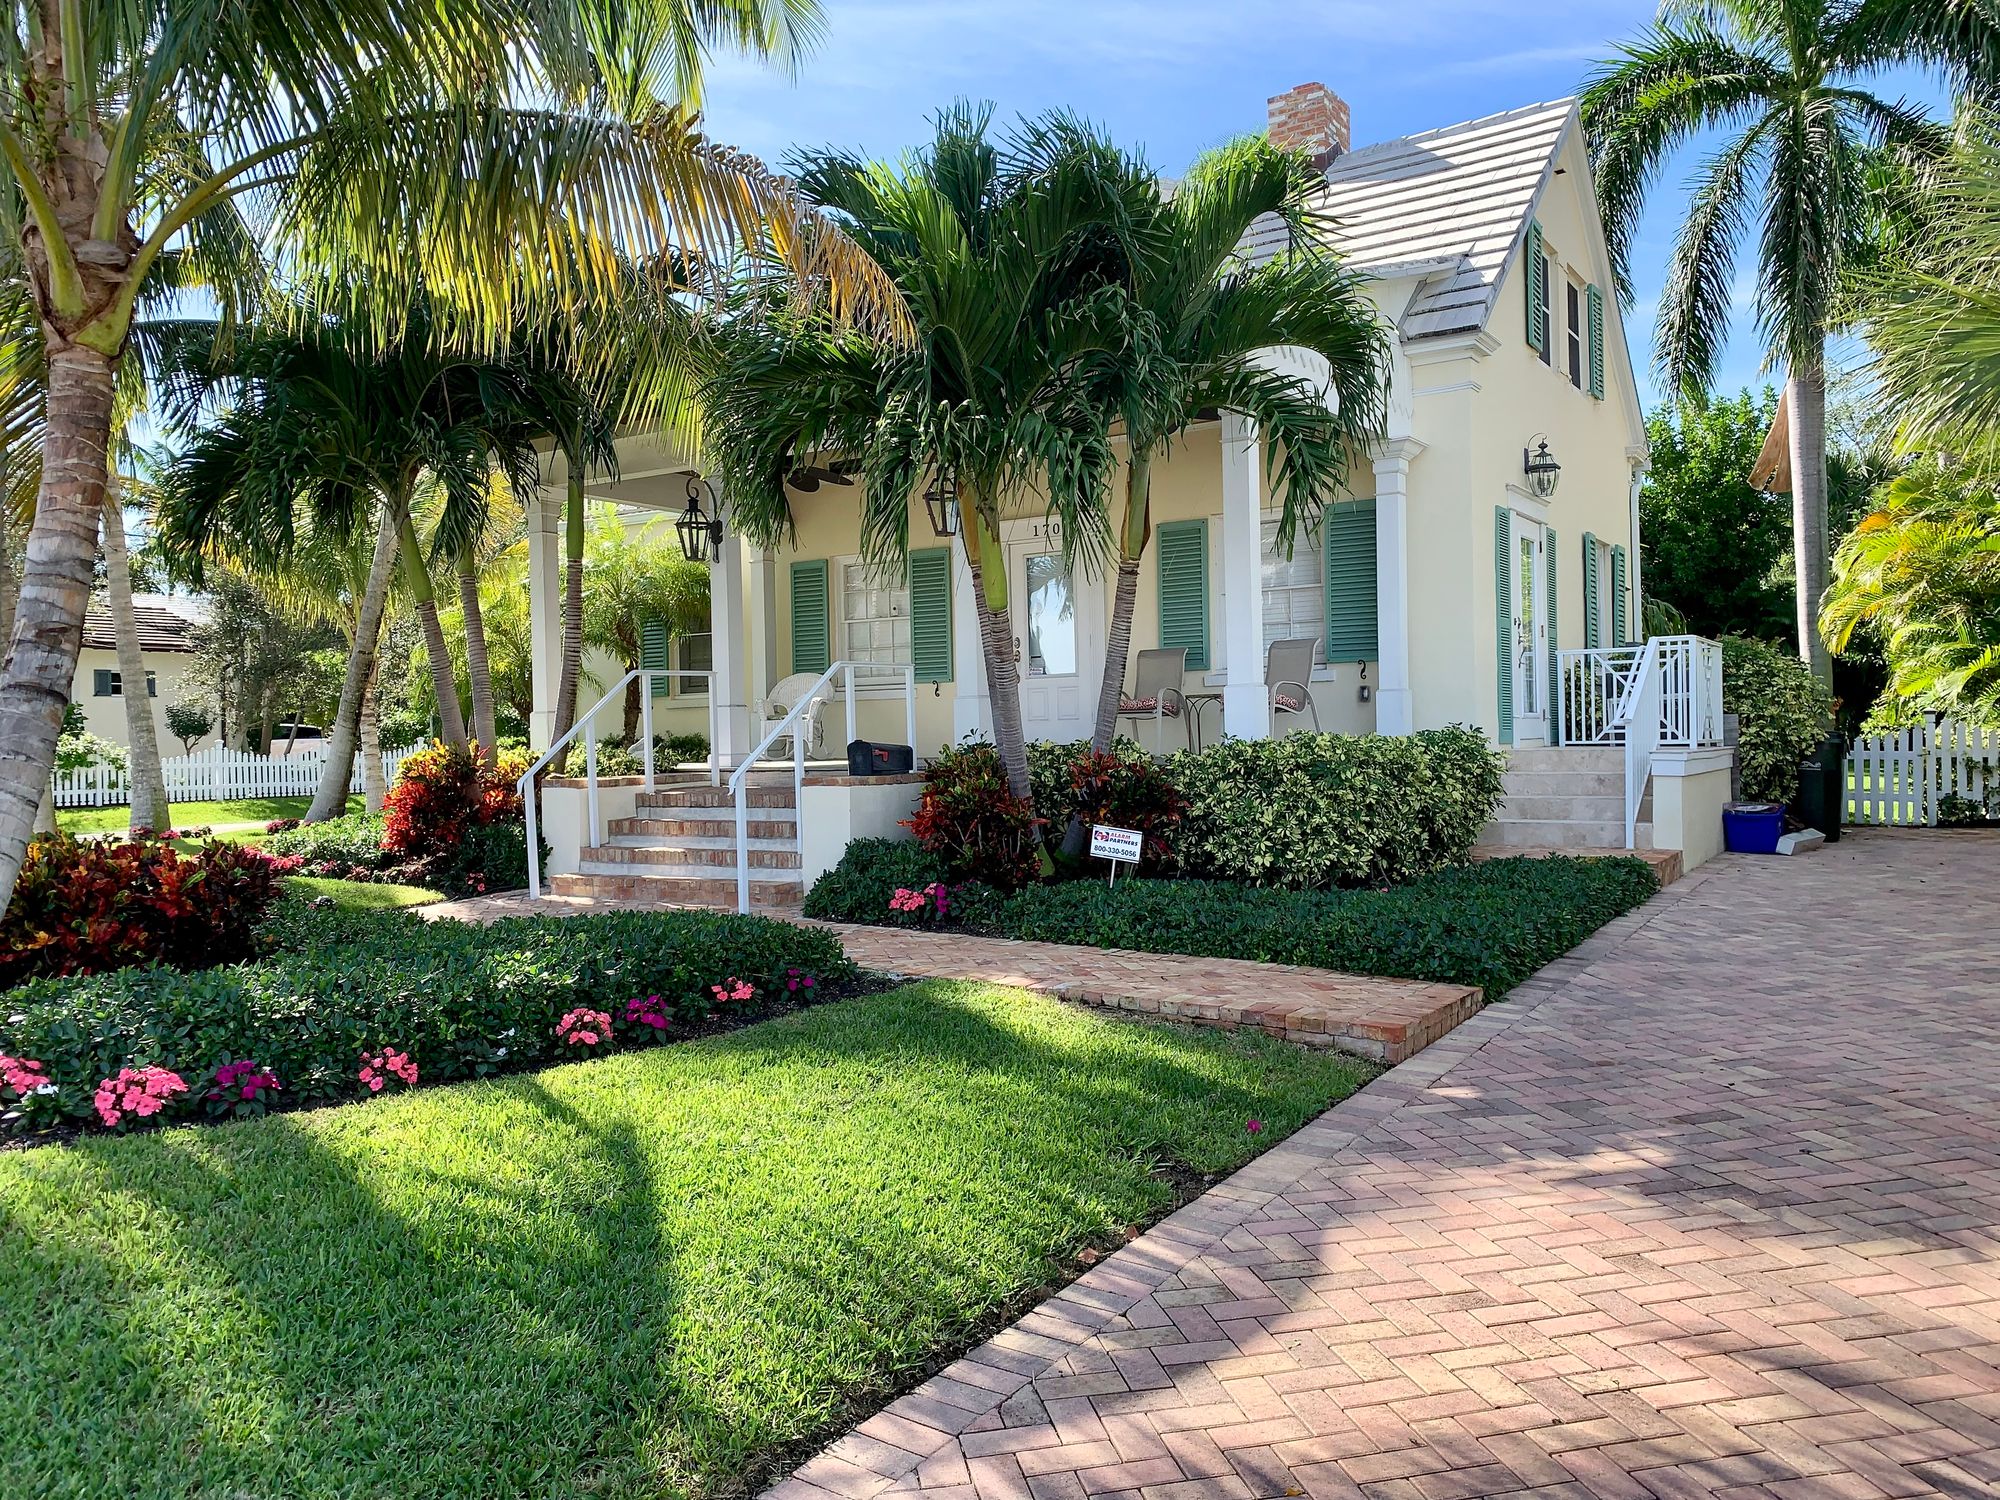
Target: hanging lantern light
{"x":941,"y":500}
{"x":1541,"y":468}
{"x":700,"y":531}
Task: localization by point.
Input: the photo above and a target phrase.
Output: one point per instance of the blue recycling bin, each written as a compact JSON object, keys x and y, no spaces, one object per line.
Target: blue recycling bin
{"x":1752,"y":827}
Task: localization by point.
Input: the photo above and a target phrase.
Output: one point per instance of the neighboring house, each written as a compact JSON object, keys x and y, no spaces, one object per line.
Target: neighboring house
{"x":166,"y":625}
{"x":1441,"y":585}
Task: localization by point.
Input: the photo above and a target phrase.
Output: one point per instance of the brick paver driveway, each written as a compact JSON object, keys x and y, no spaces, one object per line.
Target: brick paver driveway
{"x":1710,"y":1207}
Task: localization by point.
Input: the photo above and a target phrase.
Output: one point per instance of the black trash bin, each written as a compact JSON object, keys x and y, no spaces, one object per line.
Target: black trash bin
{"x":1809,"y":802}
{"x":1833,"y":784}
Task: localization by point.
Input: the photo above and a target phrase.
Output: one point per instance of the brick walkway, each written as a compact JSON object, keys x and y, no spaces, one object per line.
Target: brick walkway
{"x":1710,"y":1206}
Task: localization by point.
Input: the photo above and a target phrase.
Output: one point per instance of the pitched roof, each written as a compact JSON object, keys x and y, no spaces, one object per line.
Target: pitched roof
{"x":1449,"y":203}
{"x":161,"y":626}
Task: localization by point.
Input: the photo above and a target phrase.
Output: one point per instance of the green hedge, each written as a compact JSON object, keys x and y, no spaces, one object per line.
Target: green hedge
{"x":1315,"y":810}
{"x":463,"y":1001}
{"x":1782,"y":710}
{"x":354,"y":840}
{"x":1490,"y":924}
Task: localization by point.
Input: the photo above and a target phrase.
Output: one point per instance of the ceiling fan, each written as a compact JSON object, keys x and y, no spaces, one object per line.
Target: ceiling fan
{"x":809,"y":477}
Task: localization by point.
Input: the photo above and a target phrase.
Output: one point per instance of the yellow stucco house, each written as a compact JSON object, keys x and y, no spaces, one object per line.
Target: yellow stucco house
{"x":1442,"y":588}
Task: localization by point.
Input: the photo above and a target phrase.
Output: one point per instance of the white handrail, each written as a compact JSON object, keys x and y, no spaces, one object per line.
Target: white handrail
{"x":1639,"y":717}
{"x":528,"y":781}
{"x":807,"y":702}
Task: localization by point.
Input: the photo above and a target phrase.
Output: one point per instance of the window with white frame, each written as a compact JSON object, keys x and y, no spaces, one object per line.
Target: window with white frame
{"x":1294,"y":587}
{"x":874,"y":615}
{"x":1574,"y":335}
{"x":1607,"y":602}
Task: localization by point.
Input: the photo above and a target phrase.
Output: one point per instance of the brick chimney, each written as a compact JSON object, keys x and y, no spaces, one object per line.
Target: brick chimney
{"x":1314,"y":118}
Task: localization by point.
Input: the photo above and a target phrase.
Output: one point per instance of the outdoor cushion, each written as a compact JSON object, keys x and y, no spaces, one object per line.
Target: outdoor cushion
{"x":1287,"y":703}
{"x":1148,"y":705}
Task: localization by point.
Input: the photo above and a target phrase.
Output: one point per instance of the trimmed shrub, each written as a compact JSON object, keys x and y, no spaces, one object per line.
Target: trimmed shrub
{"x":353,"y":841}
{"x":672,"y":749}
{"x":454,"y":824}
{"x":458,"y":1001}
{"x":1783,"y":712}
{"x":85,"y":908}
{"x":1049,"y":765}
{"x":1490,"y":924}
{"x":1135,"y":794}
{"x":1315,"y":810}
{"x":970,"y":819}
{"x":869,"y":873}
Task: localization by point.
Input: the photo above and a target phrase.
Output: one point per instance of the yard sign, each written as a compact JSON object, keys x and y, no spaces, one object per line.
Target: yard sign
{"x":1119,"y":845}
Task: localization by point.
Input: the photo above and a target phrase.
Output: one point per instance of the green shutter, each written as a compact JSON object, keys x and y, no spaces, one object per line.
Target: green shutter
{"x":812,"y":635}
{"x":101,"y":683}
{"x":1347,"y":531}
{"x":1554,"y":692}
{"x":930,"y":614}
{"x":1590,"y":593}
{"x":1535,"y":268}
{"x":655,"y":655}
{"x":1597,"y":343}
{"x":1183,"y":548}
{"x":1504,"y":617}
{"x":1618,"y":620}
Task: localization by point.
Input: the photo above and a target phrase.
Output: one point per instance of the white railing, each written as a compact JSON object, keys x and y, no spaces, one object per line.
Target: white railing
{"x":644,"y":676}
{"x":1663,"y":694}
{"x":793,"y":724}
{"x":1902,"y":777}
{"x":1594,"y":692}
{"x":217,"y":774}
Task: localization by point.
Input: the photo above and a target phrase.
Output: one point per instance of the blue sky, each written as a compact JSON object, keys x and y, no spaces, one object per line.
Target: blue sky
{"x":1175,"y":76}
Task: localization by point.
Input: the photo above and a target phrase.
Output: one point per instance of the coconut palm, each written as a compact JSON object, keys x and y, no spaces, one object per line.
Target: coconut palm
{"x":501,"y":155}
{"x":1786,"y":81}
{"x":1210,"y":314}
{"x":995,"y":246}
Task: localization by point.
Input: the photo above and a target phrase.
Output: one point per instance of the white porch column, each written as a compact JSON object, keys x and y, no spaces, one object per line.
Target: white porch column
{"x":972,"y":705}
{"x":731,"y":653}
{"x":1246,"y":706}
{"x":545,"y":632}
{"x":763,"y":598}
{"x":1395,"y":712}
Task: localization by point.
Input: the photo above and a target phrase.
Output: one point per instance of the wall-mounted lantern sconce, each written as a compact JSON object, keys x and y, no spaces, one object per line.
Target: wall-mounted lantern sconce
{"x":700,"y":531}
{"x":1541,"y":468}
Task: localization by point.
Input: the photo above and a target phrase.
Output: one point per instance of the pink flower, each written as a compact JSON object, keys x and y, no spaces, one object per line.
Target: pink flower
{"x":22,"y":1075}
{"x":583,"y":1027}
{"x":138,"y":1091}
{"x":1255,"y":1127}
{"x":378,"y":1067}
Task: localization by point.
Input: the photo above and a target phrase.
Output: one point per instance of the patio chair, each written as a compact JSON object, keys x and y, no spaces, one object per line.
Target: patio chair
{"x":784,"y":695}
{"x":1156,"y":692}
{"x":1287,"y":673}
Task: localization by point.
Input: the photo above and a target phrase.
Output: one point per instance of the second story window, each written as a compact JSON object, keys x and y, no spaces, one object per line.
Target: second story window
{"x":1546,"y":292}
{"x":1573,"y":329}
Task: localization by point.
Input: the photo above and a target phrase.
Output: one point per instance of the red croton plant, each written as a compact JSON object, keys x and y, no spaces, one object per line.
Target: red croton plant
{"x":82,"y":908}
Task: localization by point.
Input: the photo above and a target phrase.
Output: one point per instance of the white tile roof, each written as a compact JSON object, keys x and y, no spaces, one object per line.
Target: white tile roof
{"x":1451,"y":203}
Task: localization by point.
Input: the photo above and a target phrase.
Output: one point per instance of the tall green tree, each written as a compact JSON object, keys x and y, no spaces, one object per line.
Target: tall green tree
{"x":1785,"y":83}
{"x":499,"y":154}
{"x":631,"y":577}
{"x":1205,"y":317}
{"x":1006,"y":255}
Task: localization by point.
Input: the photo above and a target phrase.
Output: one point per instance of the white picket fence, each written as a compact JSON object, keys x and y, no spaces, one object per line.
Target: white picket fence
{"x":216,"y":775}
{"x":1900,"y":778}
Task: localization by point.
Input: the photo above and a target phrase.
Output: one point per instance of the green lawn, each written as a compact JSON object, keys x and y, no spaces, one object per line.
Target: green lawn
{"x":360,"y":895}
{"x":251,"y":812}
{"x":655,"y":1273}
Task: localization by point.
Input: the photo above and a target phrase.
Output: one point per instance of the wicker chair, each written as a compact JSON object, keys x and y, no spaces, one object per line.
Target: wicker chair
{"x":1288,"y":675}
{"x":783,"y":696}
{"x":1156,"y":693}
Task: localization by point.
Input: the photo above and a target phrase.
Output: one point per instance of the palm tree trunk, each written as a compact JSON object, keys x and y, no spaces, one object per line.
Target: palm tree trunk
{"x":1806,"y":391}
{"x":9,"y":585}
{"x":478,"y":669}
{"x":451,"y":718}
{"x":1132,"y":537}
{"x":372,"y":789}
{"x":331,"y":799}
{"x":987,"y":561}
{"x":572,"y":649}
{"x":149,"y":806}
{"x":55,"y":591}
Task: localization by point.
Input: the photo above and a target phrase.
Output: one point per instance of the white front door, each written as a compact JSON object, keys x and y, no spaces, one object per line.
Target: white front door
{"x":1058,"y":636}
{"x":1528,"y":576}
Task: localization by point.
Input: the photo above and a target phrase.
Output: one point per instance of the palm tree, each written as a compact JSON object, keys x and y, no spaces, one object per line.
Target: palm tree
{"x":502,"y":155}
{"x":993,"y":246}
{"x":149,"y":807}
{"x":1787,"y":80}
{"x":633,"y":577}
{"x":1209,"y":315}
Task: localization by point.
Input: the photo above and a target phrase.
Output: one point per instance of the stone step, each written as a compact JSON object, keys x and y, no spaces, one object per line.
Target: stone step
{"x":757,"y":795}
{"x":1564,"y":783}
{"x":769,"y":823}
{"x":1597,"y":809}
{"x":1601,"y":759}
{"x":776,"y":896}
{"x":780,"y":861}
{"x":1539,"y":833}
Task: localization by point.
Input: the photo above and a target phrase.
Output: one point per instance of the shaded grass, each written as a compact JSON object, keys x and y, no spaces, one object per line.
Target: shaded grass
{"x":249,"y":810}
{"x":361,"y":895}
{"x":657,"y":1272}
